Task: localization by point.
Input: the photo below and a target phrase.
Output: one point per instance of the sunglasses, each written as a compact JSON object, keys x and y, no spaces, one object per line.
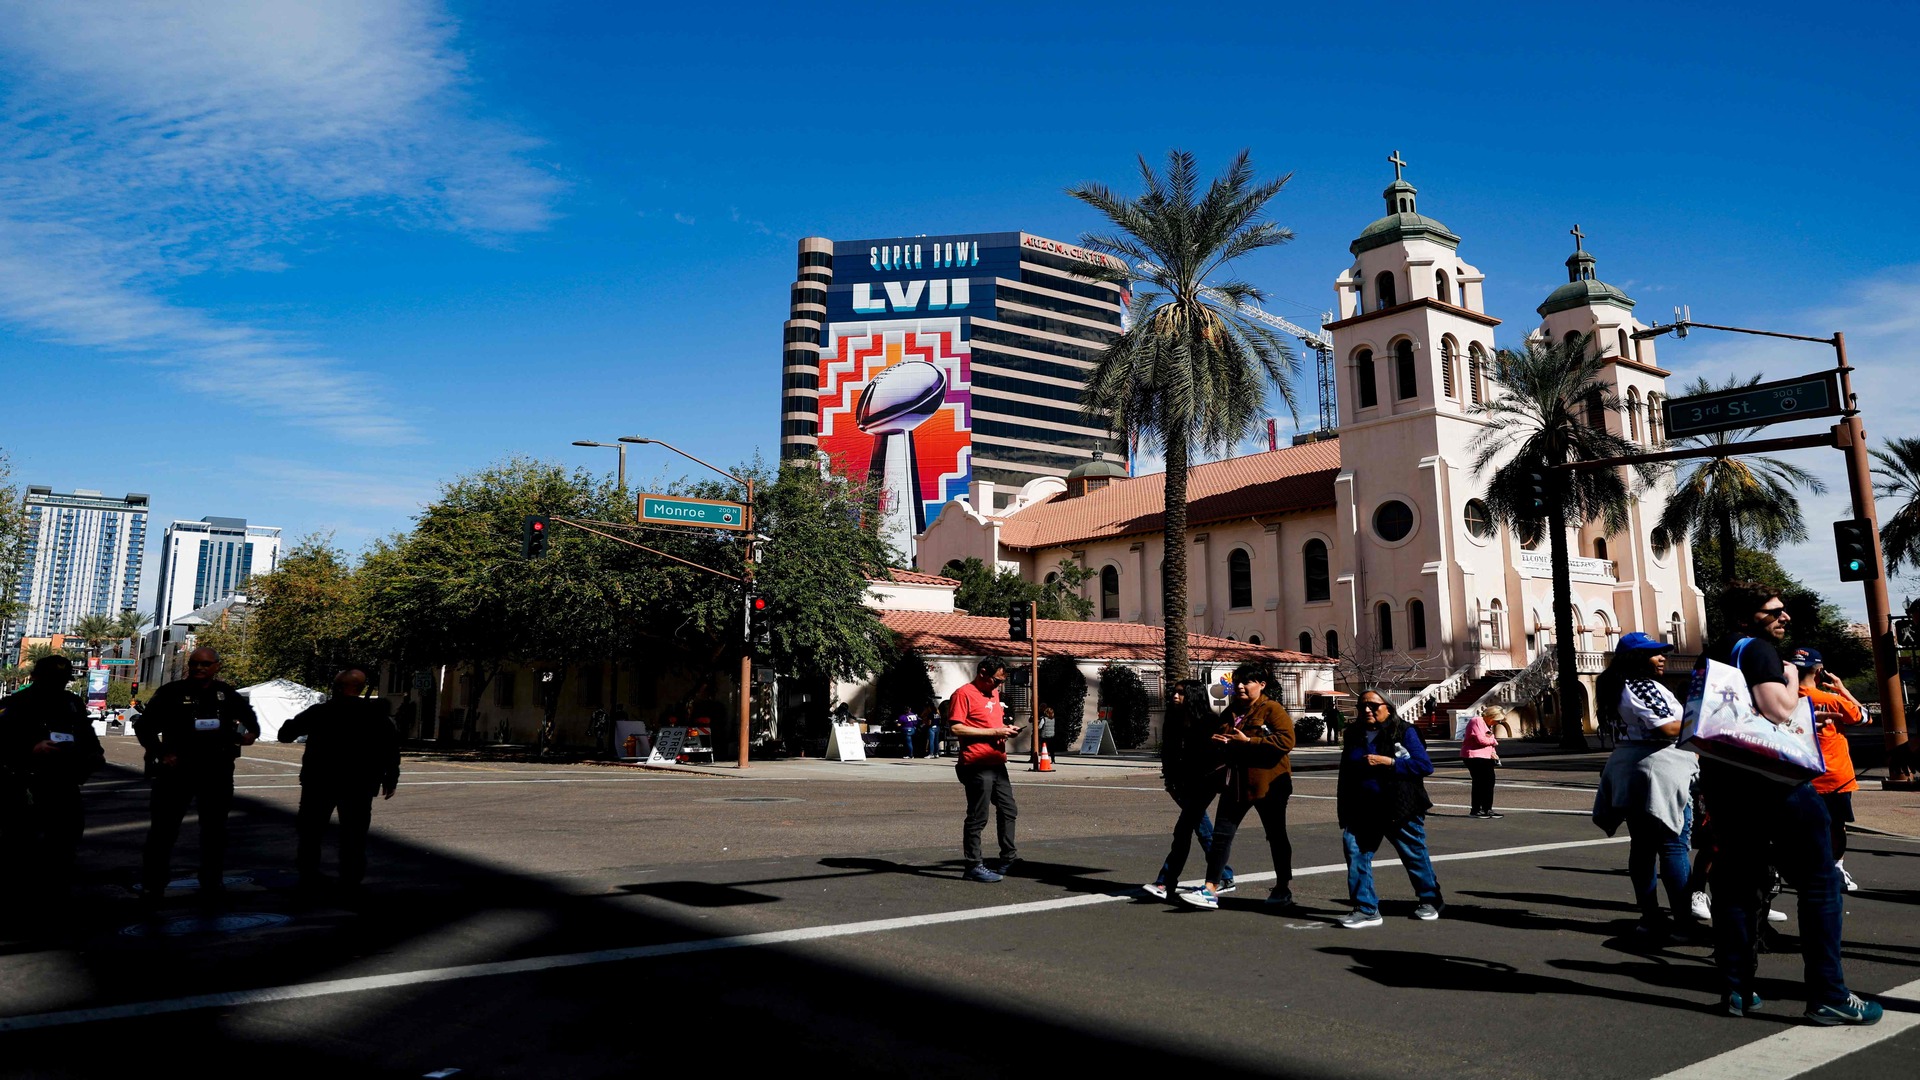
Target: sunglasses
{"x":1771,"y":613}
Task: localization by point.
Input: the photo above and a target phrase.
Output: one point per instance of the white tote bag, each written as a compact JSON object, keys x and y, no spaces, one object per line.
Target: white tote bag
{"x":1722,"y":724}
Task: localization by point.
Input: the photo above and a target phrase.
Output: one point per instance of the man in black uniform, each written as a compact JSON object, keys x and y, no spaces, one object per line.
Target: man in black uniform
{"x":193,"y":730}
{"x":1759,"y":822}
{"x":352,"y":751}
{"x":47,"y":750}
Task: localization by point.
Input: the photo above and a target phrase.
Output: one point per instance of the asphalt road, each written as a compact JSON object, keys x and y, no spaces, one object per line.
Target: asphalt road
{"x":524,"y":920}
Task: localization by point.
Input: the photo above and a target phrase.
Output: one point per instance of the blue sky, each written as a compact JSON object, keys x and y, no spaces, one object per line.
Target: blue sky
{"x":299,"y":263}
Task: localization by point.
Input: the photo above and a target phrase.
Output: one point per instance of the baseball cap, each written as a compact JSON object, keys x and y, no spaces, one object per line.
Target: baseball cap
{"x":1639,"y":642}
{"x":1806,"y":658}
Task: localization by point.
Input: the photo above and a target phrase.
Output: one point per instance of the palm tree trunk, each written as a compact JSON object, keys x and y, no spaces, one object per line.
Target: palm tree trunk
{"x":1173,"y":581}
{"x":1573,"y":699}
{"x":1728,"y":550}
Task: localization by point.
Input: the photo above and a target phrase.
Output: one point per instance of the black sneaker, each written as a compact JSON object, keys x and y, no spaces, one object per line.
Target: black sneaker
{"x":1003,"y":867}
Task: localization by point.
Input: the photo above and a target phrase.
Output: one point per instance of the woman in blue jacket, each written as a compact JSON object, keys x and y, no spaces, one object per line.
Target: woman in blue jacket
{"x":1382,"y":796}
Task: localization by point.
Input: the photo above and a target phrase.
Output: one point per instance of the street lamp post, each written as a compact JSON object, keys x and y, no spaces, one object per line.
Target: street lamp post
{"x":746,"y":588}
{"x":610,"y":446}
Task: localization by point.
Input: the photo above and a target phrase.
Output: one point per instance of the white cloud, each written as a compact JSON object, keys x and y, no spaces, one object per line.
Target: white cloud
{"x":1881,"y":320}
{"x":146,"y":142}
{"x":684,"y":219}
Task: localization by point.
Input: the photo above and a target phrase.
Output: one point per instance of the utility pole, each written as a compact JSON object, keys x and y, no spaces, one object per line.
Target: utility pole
{"x":1033,"y":638}
{"x":746,"y":629}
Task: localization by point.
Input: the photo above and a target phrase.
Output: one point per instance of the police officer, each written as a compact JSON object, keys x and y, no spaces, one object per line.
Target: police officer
{"x":352,"y":751}
{"x":47,"y":750}
{"x":193,"y":730}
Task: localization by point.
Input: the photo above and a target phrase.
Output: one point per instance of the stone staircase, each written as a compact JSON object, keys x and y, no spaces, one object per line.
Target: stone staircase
{"x":1469,"y":695}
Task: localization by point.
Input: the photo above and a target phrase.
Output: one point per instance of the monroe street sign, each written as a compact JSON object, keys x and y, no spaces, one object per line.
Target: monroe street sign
{"x":701,"y":513}
{"x":1752,"y":406}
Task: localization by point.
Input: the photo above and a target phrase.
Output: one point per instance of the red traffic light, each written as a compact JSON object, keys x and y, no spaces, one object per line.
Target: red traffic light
{"x":539,"y":526}
{"x":759,"y":603}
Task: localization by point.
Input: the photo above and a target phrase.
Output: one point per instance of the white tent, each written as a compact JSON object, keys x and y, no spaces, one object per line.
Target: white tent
{"x":278,"y":701}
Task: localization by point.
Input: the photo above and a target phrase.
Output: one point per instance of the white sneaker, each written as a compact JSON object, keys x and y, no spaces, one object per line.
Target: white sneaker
{"x":1360,"y":920}
{"x":1846,"y":879}
{"x":1201,"y":897}
{"x":1776,"y":915}
{"x":1155,"y":890}
{"x":1702,"y":908}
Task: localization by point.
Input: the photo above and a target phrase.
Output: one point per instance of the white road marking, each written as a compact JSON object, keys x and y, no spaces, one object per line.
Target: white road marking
{"x":300,"y":991}
{"x":406,"y":783}
{"x":1801,"y":1050}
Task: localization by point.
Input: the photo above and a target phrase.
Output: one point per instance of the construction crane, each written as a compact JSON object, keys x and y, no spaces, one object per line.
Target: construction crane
{"x":1319,"y":342}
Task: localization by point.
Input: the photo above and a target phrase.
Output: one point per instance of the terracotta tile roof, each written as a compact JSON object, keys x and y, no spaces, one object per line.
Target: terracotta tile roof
{"x":939,"y":634}
{"x":914,"y":577}
{"x":1273,"y":482}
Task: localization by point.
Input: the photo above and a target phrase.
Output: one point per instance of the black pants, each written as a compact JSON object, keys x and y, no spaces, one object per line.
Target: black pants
{"x":987,"y":784}
{"x":1273,"y":818}
{"x":58,"y":822}
{"x":317,"y":804}
{"x":1194,"y":797}
{"x":211,"y":790}
{"x":1481,"y":769}
{"x":1840,"y":810}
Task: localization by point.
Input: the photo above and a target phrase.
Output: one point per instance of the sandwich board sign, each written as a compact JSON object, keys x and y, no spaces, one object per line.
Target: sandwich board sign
{"x":667,"y":744}
{"x":1097,"y":740}
{"x":846,"y":744}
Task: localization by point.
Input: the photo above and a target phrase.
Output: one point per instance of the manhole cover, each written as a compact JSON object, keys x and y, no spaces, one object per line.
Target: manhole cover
{"x":189,"y":925}
{"x":756,"y":798}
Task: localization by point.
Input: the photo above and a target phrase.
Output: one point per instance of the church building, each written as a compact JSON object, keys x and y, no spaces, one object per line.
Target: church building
{"x":1375,"y":546}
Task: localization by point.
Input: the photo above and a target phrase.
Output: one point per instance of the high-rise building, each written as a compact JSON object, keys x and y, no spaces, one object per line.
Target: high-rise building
{"x":208,"y":560}
{"x":82,"y":557}
{"x":929,"y":363}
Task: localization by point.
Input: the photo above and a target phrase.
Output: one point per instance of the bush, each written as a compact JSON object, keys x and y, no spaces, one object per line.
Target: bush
{"x":1063,"y":687}
{"x":1125,"y":697}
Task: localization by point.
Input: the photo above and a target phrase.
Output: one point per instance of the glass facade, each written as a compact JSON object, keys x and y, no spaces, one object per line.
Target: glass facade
{"x":82,"y":557}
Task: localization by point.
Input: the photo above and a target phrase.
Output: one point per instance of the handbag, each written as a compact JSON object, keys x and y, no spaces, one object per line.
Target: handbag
{"x":1721,"y":723}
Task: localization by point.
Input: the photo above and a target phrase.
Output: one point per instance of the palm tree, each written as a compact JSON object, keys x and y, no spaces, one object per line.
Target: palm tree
{"x":1899,"y":473}
{"x":95,"y":631}
{"x":1728,"y":500}
{"x":127,"y":626}
{"x":1191,"y":370}
{"x":1540,"y":415}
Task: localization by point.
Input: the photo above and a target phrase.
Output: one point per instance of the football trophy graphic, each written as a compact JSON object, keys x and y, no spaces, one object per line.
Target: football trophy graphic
{"x":899,"y":399}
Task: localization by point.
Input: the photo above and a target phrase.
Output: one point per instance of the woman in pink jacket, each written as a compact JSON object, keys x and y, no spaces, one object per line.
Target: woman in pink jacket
{"x":1481,"y":751}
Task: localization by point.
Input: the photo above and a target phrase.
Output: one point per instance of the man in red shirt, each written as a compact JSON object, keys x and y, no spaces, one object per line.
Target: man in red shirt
{"x":1834,"y":706}
{"x":979,"y":724}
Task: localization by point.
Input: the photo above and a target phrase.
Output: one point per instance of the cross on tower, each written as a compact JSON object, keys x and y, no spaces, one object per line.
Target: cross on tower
{"x":1397,"y":164}
{"x":1577,"y":237}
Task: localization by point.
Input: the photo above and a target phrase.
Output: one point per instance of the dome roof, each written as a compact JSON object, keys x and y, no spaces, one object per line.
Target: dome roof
{"x":1402,"y":223}
{"x":1098,"y":467}
{"x":1583,"y":289}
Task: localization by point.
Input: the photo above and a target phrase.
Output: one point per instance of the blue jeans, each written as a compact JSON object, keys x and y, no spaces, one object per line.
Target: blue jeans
{"x":1654,"y":844}
{"x":933,"y":740}
{"x":1410,"y":840}
{"x":1759,"y":823}
{"x":1193,"y":823}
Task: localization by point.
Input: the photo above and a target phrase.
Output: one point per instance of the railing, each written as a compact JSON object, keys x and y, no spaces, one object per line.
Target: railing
{"x":1437,"y":692}
{"x":1524,"y":685}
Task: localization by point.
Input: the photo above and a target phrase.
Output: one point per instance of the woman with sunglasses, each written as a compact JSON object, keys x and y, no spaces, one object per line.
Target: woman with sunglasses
{"x":1648,"y":782}
{"x":1382,"y":795}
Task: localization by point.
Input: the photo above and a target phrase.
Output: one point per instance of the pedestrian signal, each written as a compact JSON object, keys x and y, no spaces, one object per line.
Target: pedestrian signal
{"x":1017,"y":620}
{"x":1853,"y":543}
{"x":1905,"y":635}
{"x":533,"y":540}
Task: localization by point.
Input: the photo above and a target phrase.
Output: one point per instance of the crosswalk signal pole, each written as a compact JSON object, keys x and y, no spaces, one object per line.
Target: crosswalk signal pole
{"x":1033,"y":678}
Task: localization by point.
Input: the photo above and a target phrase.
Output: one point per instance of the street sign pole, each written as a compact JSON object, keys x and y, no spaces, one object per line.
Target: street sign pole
{"x":1033,"y":705}
{"x":746,"y":629}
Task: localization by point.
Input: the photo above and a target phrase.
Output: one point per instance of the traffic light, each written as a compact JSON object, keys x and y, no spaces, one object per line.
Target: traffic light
{"x":533,"y":540}
{"x":1853,"y":542}
{"x":759,"y":624}
{"x":1537,"y":490}
{"x":1017,"y":620}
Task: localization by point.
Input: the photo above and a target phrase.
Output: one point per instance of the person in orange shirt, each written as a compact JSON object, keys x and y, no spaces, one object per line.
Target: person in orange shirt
{"x":1834,"y":707}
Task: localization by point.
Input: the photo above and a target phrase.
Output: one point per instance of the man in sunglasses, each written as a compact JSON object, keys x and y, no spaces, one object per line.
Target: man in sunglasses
{"x":192,"y":730}
{"x":1760,"y":822}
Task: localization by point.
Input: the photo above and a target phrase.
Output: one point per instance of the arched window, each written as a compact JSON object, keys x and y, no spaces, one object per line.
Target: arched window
{"x":1319,"y":581}
{"x":1623,"y":345}
{"x":1333,"y":644}
{"x":1654,"y":418}
{"x":1596,"y":409}
{"x":1442,"y":291}
{"x":1051,"y":578}
{"x":1580,"y":632}
{"x":1253,"y":639}
{"x":1384,"y":615}
{"x":1416,"y":624}
{"x":1447,"y":351}
{"x":1674,"y":628}
{"x":1571,"y":336}
{"x":1599,"y":547}
{"x":1306,"y":642}
{"x":1383,"y":290}
{"x":1110,"y":592}
{"x":1496,"y":626}
{"x":1364,"y":377}
{"x":1477,"y":373}
{"x":1239,"y":579}
{"x":1633,"y":413}
{"x":1403,"y":368}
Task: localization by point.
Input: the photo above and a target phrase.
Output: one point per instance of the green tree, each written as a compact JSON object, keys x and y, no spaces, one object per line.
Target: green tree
{"x":94,"y":631}
{"x":1813,"y":622}
{"x":990,"y":592}
{"x":1064,"y":687}
{"x":231,"y":636}
{"x":13,"y":543}
{"x":1898,"y":478}
{"x":303,"y":622}
{"x":813,"y":571}
{"x":1730,"y":500}
{"x":128,"y":626}
{"x":1548,"y":399}
{"x":1191,"y":371}
{"x":1129,"y":711}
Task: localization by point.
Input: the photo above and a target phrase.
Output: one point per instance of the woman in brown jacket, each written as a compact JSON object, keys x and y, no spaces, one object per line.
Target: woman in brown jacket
{"x":1257,"y":744}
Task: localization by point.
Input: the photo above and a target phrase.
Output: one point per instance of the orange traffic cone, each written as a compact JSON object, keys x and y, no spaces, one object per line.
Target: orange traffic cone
{"x":1046,"y":760}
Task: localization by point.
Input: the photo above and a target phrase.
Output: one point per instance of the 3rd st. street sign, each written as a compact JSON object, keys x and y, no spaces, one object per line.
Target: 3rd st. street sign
{"x":701,"y":513}
{"x":1753,"y":406}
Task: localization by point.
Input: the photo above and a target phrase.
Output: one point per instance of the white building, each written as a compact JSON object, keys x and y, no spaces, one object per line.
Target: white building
{"x":1377,"y":542}
{"x":208,"y":560}
{"x":82,"y":557}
